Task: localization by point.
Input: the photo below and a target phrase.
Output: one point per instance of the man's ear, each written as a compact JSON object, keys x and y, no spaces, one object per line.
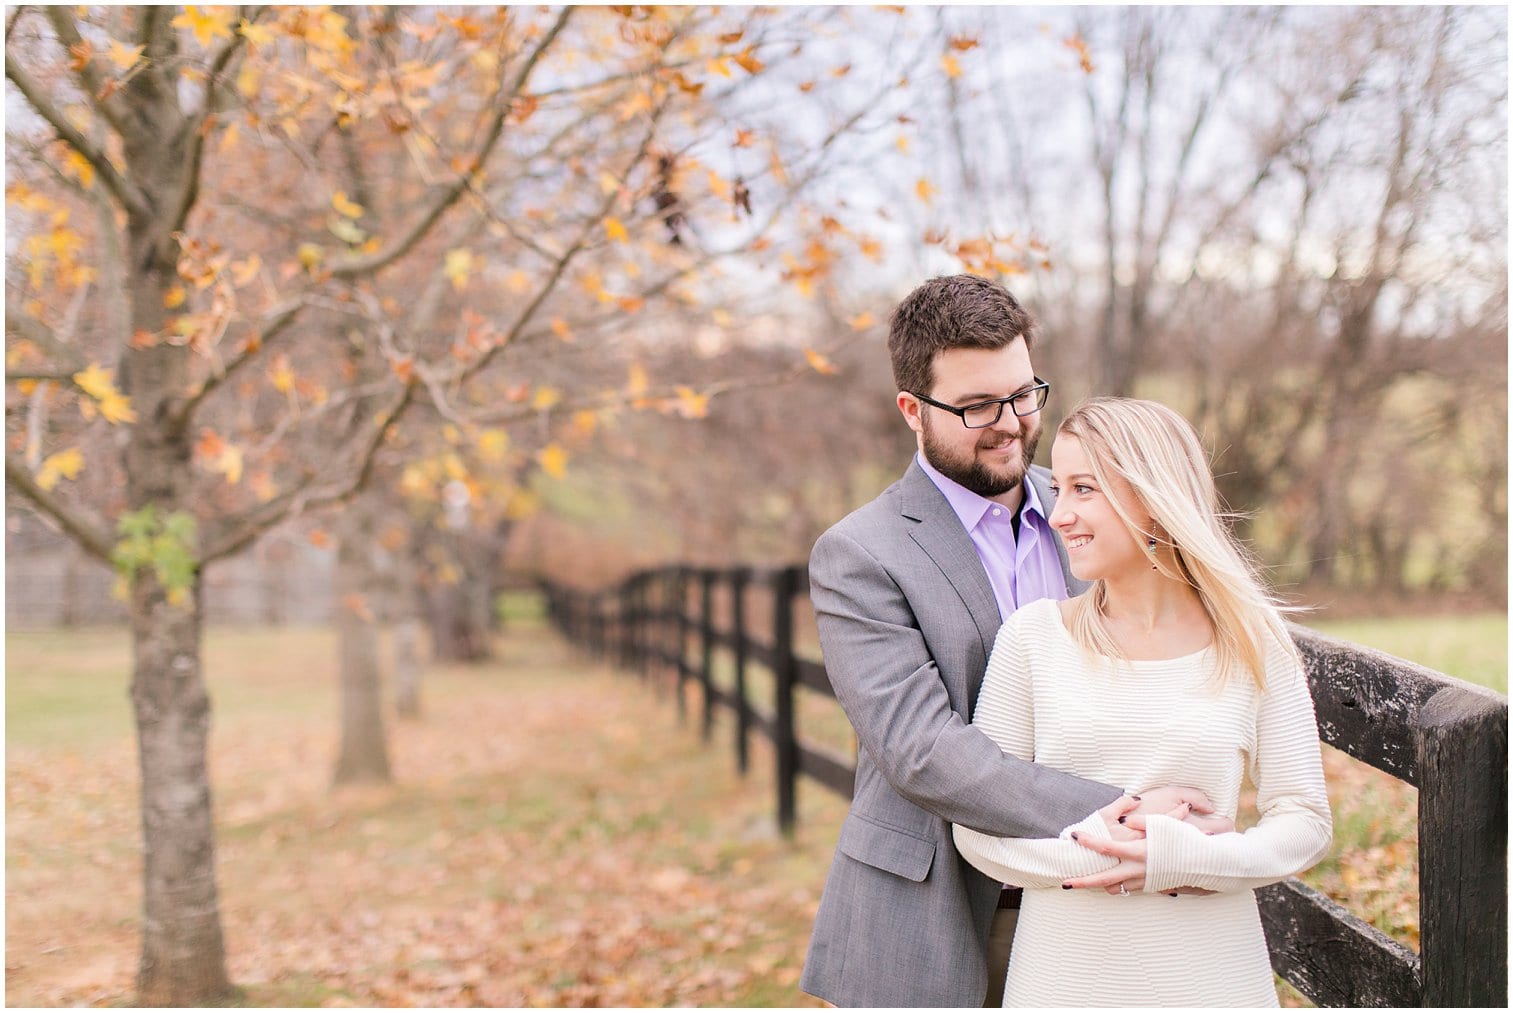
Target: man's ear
{"x":908,"y":407}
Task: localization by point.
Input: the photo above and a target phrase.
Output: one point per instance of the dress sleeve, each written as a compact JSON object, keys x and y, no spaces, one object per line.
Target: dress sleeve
{"x":1006,"y":713}
{"x":1295,"y":828}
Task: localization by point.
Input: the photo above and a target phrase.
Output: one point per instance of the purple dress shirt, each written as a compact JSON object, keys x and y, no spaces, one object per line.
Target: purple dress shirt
{"x":1021,"y":570}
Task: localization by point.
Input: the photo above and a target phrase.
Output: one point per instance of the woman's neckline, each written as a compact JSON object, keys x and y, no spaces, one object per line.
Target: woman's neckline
{"x":1137,"y":662}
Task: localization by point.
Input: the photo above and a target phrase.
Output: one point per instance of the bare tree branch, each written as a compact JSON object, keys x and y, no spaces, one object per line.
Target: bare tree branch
{"x":91,"y":534}
{"x":29,"y":328}
{"x":130,"y":198}
{"x":197,"y":127}
{"x":236,"y":532}
{"x":352,"y":267}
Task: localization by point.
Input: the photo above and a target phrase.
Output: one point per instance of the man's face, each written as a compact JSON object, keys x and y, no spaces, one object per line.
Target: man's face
{"x":991,"y":461}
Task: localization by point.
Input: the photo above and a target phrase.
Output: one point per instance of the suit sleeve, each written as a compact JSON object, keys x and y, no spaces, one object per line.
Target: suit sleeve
{"x":1006,"y":714}
{"x":1295,"y":828}
{"x":887,"y":682}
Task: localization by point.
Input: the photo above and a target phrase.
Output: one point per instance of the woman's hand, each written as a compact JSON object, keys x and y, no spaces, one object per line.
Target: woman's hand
{"x":1129,"y":875}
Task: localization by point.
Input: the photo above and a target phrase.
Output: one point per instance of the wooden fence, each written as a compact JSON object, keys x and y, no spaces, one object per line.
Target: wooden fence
{"x":1445,"y":737}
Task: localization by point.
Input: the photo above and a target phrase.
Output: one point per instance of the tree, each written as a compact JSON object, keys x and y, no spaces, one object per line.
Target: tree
{"x":255,"y":239}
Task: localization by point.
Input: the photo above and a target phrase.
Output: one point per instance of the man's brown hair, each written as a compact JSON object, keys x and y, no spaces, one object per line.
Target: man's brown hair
{"x":959,"y":311}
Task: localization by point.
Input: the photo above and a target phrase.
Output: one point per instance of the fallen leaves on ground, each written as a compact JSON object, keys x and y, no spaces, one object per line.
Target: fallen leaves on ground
{"x":554,"y":838}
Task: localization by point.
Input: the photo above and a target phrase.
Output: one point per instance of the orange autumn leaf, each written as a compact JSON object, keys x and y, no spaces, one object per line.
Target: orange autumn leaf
{"x":861,"y":321}
{"x":950,"y":64}
{"x":925,"y":190}
{"x":962,"y":43}
{"x":819,"y":363}
{"x":1084,"y":57}
{"x":743,"y":138}
{"x":319,"y":538}
{"x":614,"y":230}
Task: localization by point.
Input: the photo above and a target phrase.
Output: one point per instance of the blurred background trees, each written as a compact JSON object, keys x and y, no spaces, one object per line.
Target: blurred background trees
{"x":405,"y":304}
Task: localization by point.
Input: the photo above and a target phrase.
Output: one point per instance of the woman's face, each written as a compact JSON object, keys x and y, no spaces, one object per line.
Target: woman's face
{"x":1098,"y":543}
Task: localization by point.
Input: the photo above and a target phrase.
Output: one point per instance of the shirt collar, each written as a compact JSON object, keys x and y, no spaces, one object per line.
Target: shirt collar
{"x":968,"y":505}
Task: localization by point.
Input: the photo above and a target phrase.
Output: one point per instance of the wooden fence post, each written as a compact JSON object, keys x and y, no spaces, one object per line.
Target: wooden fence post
{"x":739,"y":578}
{"x":1462,"y":850}
{"x":785,"y":584}
{"x":681,"y":579}
{"x":706,"y":650}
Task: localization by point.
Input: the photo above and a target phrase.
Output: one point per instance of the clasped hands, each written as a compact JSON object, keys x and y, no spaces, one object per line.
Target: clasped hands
{"x":1126,"y":820}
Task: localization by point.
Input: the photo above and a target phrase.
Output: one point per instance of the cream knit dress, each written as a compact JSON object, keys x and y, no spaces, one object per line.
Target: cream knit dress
{"x":1144,"y":724}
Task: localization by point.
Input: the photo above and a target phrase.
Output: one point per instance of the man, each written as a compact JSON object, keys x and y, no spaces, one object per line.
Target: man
{"x":909,"y":592}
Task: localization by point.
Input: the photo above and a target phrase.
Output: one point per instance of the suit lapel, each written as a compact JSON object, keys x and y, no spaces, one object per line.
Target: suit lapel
{"x":940,"y":534}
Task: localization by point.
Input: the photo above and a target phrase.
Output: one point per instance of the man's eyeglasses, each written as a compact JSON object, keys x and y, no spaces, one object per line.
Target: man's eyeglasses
{"x":986,"y":413}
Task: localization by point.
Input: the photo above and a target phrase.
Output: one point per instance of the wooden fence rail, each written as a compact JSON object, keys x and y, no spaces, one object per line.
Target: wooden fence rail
{"x":1447,"y":738}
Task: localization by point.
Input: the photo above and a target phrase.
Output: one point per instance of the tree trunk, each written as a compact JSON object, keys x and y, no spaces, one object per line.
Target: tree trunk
{"x":407,"y":667}
{"x":364,"y":752}
{"x":183,"y":960}
{"x":459,"y":609}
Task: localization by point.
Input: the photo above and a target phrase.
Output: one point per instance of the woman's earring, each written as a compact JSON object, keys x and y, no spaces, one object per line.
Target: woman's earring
{"x":1150,"y":546}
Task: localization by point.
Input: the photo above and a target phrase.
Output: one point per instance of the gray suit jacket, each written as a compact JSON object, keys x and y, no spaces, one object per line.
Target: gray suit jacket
{"x":907,"y":619}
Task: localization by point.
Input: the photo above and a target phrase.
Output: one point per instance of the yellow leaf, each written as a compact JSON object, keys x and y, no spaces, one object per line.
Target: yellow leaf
{"x":585,"y":422}
{"x":230,"y":463}
{"x":861,"y":321}
{"x":719,"y":65}
{"x":343,"y":205}
{"x":263,"y":487}
{"x":819,"y":362}
{"x":258,"y":35}
{"x":631,"y":303}
{"x":493,"y":444}
{"x":901,"y":142}
{"x":123,"y":56}
{"x":925,"y":190}
{"x":64,"y":464}
{"x":519,"y":283}
{"x":748,"y":61}
{"x":243,"y":271}
{"x":553,"y":460}
{"x":560,"y":328}
{"x":951,"y":66}
{"x":614,"y":229}
{"x":174,"y":297}
{"x":522,"y":503}
{"x":77,"y":166}
{"x":718,"y":186}
{"x":454,"y":467}
{"x":459,"y":265}
{"x":638,"y":382}
{"x":281,"y":375}
{"x":207,"y":23}
{"x":691,"y":404}
{"x":116,"y":408}
{"x":545,"y":397}
{"x":95,"y":380}
{"x":310,"y":255}
{"x":608,"y":183}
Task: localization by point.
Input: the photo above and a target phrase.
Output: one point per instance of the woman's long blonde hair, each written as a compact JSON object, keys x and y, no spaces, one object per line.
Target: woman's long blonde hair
{"x":1158,"y":453}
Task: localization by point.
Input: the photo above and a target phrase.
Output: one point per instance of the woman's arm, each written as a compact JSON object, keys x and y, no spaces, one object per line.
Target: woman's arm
{"x":1295,"y":828}
{"x":1006,"y":713}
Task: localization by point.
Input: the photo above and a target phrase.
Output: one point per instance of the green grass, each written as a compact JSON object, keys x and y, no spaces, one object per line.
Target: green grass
{"x":1469,"y":647}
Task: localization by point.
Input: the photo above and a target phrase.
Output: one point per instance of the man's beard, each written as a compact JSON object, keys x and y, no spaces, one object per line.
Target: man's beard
{"x":970,"y":473}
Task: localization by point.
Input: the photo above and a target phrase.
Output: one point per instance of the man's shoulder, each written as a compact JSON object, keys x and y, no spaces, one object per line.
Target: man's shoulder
{"x":882,"y":512}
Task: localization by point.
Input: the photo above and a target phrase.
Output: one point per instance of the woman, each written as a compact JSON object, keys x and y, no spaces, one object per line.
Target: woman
{"x":1174,"y":668}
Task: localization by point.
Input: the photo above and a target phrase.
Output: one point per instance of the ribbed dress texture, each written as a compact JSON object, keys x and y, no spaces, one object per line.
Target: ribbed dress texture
{"x":1145,"y":724}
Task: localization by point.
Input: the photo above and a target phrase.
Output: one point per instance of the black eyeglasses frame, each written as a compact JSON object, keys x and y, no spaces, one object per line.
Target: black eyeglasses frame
{"x":1041,"y":387}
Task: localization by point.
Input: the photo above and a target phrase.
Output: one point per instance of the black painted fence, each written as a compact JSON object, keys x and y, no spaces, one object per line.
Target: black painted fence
{"x":1447,"y":738}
